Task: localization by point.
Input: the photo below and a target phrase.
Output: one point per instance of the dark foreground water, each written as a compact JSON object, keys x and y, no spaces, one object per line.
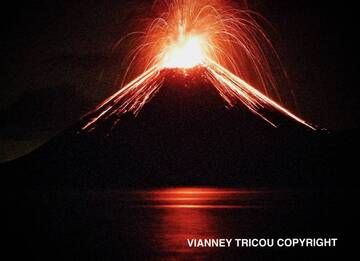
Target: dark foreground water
{"x":155,"y":224}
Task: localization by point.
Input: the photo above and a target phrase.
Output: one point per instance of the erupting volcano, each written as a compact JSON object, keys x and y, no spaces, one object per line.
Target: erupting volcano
{"x":226,"y":45}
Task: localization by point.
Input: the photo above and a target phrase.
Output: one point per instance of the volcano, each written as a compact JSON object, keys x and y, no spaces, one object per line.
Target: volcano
{"x":185,"y":135}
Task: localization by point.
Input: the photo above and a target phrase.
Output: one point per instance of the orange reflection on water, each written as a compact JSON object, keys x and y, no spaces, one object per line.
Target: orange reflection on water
{"x":176,"y":225}
{"x":179,"y":214}
{"x":197,"y":198}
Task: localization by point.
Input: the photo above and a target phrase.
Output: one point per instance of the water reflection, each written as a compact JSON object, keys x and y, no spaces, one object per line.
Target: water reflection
{"x":155,"y":224}
{"x":179,"y":214}
{"x":197,"y":198}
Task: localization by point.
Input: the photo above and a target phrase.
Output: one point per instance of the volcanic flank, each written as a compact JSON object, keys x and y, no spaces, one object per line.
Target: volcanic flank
{"x":185,"y":135}
{"x":233,"y":90}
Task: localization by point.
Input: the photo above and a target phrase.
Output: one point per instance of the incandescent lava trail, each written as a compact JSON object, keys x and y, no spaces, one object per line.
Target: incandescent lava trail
{"x":227,"y":42}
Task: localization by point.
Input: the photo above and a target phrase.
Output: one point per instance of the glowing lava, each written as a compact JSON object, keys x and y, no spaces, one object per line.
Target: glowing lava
{"x":227,"y":42}
{"x":186,"y":54}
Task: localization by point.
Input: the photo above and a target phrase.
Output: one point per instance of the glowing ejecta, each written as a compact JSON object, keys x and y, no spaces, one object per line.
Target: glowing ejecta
{"x":220,"y":39}
{"x":185,"y":52}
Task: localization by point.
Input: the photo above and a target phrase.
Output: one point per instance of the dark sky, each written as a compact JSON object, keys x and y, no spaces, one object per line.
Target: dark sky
{"x":64,"y":47}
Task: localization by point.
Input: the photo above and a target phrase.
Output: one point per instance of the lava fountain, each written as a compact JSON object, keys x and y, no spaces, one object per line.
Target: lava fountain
{"x":227,"y":42}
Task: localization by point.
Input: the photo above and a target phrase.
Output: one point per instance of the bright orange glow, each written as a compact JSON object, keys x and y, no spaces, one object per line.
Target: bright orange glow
{"x":187,"y":53}
{"x":181,"y":33}
{"x":210,"y":198}
{"x":227,"y":42}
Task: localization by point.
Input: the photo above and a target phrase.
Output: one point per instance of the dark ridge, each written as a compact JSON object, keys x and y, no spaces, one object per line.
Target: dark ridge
{"x":46,"y":109}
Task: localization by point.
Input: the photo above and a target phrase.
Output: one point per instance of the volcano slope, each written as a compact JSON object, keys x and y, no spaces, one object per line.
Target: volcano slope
{"x":184,"y":136}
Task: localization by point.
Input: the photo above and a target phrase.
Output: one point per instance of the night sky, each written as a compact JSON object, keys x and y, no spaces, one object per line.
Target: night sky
{"x":58,"y":62}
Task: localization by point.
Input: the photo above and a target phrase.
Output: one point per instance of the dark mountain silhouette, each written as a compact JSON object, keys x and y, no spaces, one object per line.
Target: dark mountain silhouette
{"x":37,"y":116}
{"x":43,"y":109}
{"x":186,"y":136}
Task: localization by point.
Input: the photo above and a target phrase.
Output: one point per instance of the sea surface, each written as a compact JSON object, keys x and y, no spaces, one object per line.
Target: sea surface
{"x":154,"y":224}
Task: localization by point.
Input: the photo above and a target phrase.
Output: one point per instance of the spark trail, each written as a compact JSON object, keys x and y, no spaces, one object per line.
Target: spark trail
{"x":226,"y":42}
{"x":131,"y":98}
{"x":233,"y":89}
